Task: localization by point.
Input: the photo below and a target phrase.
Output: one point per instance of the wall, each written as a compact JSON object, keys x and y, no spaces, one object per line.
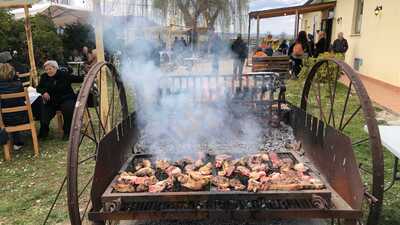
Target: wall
{"x":377,"y":44}
{"x":307,"y":22}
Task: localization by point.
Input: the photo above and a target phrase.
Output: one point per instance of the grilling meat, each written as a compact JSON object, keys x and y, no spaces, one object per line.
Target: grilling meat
{"x":260,"y":167}
{"x":162,"y":164}
{"x":264,"y":157}
{"x":142,"y":188}
{"x":121,"y":187}
{"x":220,"y":182}
{"x":219,"y":159}
{"x":243,"y":171}
{"x":228,"y":167}
{"x":190,"y":167}
{"x":173,"y":171}
{"x":300,"y":167}
{"x":196,"y":175}
{"x":206,"y":169}
{"x":253,"y":185}
{"x":237,"y":185}
{"x":195,"y":185}
{"x":257,"y":175}
{"x":199,"y":163}
{"x":276,"y":162}
{"x":160,"y":185}
{"x":146,"y":171}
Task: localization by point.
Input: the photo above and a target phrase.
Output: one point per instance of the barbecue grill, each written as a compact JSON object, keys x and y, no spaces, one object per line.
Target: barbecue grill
{"x":100,"y":150}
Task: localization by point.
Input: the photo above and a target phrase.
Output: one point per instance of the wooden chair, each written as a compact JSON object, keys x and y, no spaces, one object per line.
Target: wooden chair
{"x":22,"y":127}
{"x":25,"y":76}
{"x":60,"y":122}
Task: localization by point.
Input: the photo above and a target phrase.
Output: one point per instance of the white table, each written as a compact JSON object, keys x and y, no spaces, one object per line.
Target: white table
{"x":390,"y":138}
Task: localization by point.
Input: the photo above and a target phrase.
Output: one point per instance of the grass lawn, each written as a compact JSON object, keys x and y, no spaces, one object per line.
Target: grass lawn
{"x":28,"y":185}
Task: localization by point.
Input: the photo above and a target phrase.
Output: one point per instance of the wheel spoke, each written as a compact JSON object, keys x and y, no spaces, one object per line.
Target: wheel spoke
{"x":85,"y":187}
{"x":351,"y":117}
{"x":333,"y":97}
{"x":86,"y":208}
{"x":345,"y":104}
{"x":87,"y":158}
{"x":94,"y":139}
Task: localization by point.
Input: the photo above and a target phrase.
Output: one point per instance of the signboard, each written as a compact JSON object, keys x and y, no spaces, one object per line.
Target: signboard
{"x":15,"y":3}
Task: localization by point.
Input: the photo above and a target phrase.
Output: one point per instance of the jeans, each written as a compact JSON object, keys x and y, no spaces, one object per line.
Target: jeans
{"x":215,"y":63}
{"x":238,"y":67}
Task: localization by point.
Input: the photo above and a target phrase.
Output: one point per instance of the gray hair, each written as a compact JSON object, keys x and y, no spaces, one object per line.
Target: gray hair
{"x":52,"y":63}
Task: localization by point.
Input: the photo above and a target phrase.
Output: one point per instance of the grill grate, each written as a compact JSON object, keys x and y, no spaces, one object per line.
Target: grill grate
{"x":260,"y":204}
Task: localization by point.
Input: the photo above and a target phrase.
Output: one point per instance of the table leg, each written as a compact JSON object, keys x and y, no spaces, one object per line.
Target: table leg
{"x":395,"y":177}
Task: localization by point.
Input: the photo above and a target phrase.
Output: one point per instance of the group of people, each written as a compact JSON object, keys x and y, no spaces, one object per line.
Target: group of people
{"x":54,"y":88}
{"x":270,"y":47}
{"x":304,"y":46}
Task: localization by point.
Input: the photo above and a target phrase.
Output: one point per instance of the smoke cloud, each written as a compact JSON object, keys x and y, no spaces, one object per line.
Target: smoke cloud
{"x":183,"y":120}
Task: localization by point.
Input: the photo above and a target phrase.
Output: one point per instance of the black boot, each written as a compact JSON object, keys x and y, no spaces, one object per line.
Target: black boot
{"x":43,"y":133}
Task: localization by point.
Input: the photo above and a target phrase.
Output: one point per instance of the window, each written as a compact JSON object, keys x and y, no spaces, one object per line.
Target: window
{"x":358,"y":13}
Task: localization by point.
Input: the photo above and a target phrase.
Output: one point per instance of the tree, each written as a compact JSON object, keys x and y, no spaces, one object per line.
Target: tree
{"x":47,"y":43}
{"x":207,"y":10}
{"x":76,"y":36}
{"x":12,"y":35}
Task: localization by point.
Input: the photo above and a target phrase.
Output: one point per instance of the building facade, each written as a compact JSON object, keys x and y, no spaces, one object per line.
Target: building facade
{"x":371,"y":29}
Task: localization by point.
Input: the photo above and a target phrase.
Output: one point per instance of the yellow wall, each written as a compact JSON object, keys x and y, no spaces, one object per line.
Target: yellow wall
{"x":377,"y":45}
{"x":307,"y":22}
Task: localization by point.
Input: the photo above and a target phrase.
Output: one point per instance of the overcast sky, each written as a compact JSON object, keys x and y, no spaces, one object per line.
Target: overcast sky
{"x":274,"y":25}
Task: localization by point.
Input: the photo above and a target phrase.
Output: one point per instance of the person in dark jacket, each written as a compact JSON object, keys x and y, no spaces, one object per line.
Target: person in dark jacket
{"x":283,"y":47}
{"x":340,"y":45}
{"x":57,"y":94}
{"x":321,"y":45}
{"x":9,"y":84}
{"x":240,"y":51}
{"x":311,"y":43}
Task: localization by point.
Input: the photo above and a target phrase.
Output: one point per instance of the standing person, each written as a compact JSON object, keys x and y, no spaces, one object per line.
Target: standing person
{"x":340,"y":45}
{"x":311,"y":43}
{"x":216,"y":47}
{"x":183,"y":42}
{"x":57,"y":94}
{"x":299,"y":49}
{"x":240,"y":51}
{"x":321,"y":45}
{"x":283,"y":47}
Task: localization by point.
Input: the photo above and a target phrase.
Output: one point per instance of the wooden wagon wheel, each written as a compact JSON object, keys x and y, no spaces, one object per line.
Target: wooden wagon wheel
{"x":322,"y":97}
{"x":87,"y":130}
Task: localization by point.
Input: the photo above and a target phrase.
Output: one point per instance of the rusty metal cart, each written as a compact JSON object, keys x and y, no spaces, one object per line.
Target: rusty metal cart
{"x":354,"y":192}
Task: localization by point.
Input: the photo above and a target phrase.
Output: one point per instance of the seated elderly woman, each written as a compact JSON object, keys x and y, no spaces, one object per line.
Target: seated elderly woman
{"x":57,"y":93}
{"x":10,"y":84}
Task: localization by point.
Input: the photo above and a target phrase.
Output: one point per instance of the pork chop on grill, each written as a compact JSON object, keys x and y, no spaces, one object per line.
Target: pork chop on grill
{"x":220,"y":182}
{"x":121,"y":187}
{"x":219,"y":159}
{"x":236,"y":184}
{"x":195,"y":185}
{"x":145,"y":171}
{"x":162,"y":164}
{"x":243,"y":171}
{"x":206,"y":169}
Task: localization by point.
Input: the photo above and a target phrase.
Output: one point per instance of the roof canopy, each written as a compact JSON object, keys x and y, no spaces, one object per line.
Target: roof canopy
{"x":60,"y":14}
{"x":287,"y":11}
